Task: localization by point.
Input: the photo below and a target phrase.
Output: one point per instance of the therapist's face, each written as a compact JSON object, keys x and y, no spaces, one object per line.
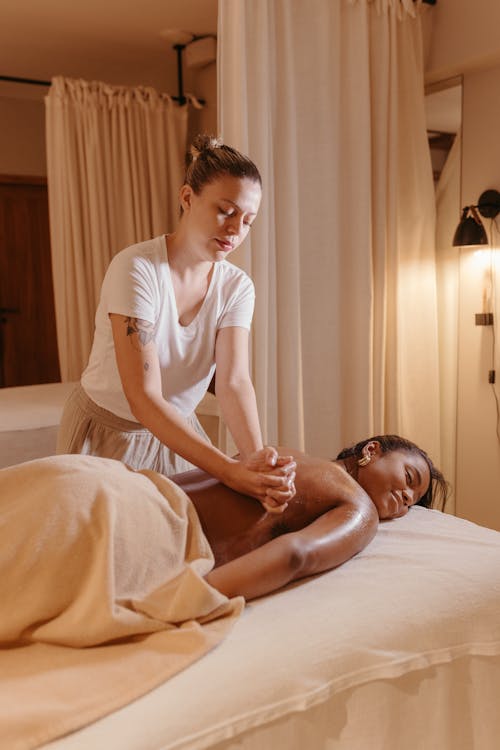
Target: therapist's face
{"x":220,"y":216}
{"x":395,"y":480}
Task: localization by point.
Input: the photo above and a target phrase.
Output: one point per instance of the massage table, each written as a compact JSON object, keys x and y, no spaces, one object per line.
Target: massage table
{"x":29,"y":420}
{"x":398,"y":648}
{"x":30,"y":415}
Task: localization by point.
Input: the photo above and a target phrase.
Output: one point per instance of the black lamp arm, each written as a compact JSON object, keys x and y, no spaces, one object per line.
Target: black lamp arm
{"x":474,"y":214}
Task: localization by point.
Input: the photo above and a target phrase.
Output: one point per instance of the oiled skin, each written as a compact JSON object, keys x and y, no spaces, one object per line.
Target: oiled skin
{"x":236,"y":524}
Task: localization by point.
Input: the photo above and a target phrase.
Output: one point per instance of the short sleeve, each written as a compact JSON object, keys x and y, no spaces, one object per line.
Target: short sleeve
{"x":239,"y":308}
{"x":131,"y":287}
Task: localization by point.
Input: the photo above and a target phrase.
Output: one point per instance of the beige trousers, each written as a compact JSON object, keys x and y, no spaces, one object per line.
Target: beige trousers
{"x":91,"y":430}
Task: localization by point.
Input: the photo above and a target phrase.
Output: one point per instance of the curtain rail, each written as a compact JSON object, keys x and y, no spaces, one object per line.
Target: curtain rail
{"x":32,"y":81}
{"x":181,"y":98}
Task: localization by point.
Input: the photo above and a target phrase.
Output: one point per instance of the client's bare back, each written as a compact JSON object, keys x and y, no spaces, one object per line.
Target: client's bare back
{"x":236,"y":524}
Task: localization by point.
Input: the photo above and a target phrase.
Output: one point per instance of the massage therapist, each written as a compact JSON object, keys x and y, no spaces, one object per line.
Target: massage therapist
{"x":172,"y":311}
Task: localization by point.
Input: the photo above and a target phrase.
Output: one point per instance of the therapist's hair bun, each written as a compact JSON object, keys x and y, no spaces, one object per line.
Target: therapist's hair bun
{"x":203,"y":143}
{"x":209,"y":158}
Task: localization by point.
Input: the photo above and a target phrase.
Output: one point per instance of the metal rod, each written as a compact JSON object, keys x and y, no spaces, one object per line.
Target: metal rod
{"x":32,"y":81}
{"x":180,"y":98}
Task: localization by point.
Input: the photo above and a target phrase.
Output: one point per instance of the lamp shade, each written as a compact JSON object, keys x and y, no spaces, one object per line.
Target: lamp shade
{"x":470,"y":231}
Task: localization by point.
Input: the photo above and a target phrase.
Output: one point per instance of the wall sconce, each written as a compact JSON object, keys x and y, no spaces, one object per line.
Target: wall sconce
{"x":470,"y":230}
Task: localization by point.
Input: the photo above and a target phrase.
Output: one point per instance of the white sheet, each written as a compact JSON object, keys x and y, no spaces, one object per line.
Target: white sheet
{"x":30,"y":407}
{"x":409,"y":626}
{"x":29,"y":420}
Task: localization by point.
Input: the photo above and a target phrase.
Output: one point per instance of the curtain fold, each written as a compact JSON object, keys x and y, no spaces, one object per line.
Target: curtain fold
{"x":328,"y":99}
{"x":114,"y":166}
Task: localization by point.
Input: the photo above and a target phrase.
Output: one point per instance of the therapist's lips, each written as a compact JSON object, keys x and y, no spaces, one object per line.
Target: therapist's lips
{"x":224,"y":244}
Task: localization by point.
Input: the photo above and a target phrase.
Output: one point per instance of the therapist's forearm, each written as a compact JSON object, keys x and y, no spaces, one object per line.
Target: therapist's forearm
{"x":239,"y":411}
{"x":163,"y":420}
{"x":172,"y":430}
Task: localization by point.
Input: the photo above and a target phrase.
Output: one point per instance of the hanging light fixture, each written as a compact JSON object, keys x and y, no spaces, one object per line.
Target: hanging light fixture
{"x":470,"y":231}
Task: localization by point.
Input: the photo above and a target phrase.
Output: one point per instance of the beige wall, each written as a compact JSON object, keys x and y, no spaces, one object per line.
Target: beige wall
{"x":22,"y":131}
{"x":205,"y":86}
{"x":465,"y":41}
{"x":478,"y":449}
{"x":462,"y":36}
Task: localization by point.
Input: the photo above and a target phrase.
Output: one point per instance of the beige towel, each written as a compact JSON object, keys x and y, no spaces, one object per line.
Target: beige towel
{"x":102,"y":594}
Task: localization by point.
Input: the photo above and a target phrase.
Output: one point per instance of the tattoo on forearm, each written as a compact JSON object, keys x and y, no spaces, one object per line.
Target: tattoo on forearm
{"x":144,"y":329}
{"x":146,"y":366}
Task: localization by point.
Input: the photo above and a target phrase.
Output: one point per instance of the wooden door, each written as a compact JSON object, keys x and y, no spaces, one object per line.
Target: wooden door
{"x":28,"y":343}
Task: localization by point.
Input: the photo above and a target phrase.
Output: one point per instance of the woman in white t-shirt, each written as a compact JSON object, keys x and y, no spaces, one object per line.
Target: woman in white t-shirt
{"x":172,"y":310}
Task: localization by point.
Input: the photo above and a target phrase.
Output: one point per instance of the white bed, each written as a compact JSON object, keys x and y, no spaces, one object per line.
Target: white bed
{"x":398,"y":648}
{"x":30,"y":415}
{"x":29,"y":420}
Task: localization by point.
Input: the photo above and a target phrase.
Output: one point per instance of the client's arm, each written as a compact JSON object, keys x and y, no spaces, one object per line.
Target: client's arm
{"x":330,"y":540}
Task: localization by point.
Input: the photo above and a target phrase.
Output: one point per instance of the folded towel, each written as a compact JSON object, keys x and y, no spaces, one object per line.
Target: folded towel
{"x":102,"y":592}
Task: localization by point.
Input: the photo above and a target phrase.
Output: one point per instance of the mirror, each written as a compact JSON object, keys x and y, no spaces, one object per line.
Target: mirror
{"x":443,"y":105}
{"x":443,"y":112}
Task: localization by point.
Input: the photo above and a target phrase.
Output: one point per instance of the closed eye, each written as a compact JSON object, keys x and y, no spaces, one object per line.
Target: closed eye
{"x":229,"y":214}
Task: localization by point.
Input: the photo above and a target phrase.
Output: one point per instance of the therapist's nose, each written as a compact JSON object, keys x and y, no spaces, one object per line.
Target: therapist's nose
{"x":234,"y":225}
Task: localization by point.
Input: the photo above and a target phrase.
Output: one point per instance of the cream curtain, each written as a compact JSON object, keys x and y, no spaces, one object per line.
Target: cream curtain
{"x":328,"y":98}
{"x":114,"y":166}
{"x":448,"y":264}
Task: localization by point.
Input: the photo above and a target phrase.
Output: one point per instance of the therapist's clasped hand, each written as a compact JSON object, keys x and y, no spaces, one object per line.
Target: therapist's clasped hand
{"x":277,"y":476}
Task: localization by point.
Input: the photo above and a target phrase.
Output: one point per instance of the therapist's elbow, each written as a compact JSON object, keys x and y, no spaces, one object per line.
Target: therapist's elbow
{"x":233,"y":384}
{"x":140,"y":403}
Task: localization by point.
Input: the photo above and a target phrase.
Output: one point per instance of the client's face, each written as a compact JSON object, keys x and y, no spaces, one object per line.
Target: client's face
{"x":395,"y":481}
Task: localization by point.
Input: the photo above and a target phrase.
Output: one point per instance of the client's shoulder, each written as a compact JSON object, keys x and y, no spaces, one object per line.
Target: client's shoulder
{"x":320,"y":480}
{"x":313,"y":466}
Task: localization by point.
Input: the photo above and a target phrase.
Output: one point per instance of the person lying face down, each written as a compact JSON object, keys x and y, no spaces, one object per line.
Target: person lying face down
{"x":333,"y":515}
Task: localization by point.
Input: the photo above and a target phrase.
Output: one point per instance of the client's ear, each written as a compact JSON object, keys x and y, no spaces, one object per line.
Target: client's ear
{"x":372,"y":450}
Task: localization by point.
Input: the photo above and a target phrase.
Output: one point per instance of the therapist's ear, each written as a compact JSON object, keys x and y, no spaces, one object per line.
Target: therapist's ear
{"x":185,"y":197}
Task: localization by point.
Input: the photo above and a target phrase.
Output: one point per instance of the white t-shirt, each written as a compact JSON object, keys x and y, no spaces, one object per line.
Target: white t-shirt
{"x":138,"y":284}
